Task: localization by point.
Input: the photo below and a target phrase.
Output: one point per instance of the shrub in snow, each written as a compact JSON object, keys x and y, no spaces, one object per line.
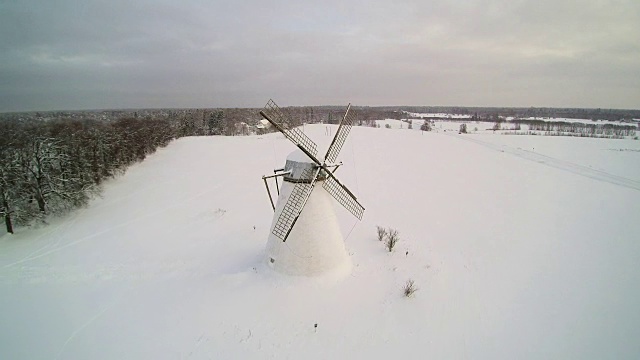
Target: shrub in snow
{"x":392,"y":239}
{"x":409,"y":288}
{"x":382,"y":233}
{"x":387,"y":126}
{"x":463,"y":129}
{"x":426,"y":126}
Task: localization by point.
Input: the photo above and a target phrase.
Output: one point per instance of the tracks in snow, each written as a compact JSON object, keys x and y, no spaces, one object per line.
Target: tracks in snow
{"x":557,"y":163}
{"x":45,"y":250}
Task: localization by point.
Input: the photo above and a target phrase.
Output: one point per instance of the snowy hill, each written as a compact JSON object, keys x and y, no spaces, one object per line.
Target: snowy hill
{"x":521,"y":247}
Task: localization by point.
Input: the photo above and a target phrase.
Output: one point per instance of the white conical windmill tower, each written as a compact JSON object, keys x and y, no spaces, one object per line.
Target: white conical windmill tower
{"x":305,"y":237}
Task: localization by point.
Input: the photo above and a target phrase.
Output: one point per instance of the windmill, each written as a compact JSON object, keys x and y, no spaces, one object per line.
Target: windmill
{"x":305,"y":237}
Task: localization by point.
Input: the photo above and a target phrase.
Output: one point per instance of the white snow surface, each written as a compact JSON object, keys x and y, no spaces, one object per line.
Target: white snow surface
{"x":440,"y":115}
{"x":521,"y":248}
{"x":574,"y":120}
{"x":298,"y":156}
{"x":511,"y":118}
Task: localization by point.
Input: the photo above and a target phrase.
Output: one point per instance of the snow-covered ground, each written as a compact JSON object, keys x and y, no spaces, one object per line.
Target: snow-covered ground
{"x":511,"y":118}
{"x":573,"y":120}
{"x":440,"y":115}
{"x":522,"y":247}
{"x":476,"y":127}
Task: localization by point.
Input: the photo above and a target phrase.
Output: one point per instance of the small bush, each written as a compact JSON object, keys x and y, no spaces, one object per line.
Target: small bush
{"x":388,"y":126}
{"x":409,"y":288}
{"x":382,"y":233}
{"x":392,"y":239}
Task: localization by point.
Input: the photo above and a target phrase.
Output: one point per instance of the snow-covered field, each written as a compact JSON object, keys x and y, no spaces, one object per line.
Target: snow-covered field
{"x":573,"y":120}
{"x":522,"y":247}
{"x":440,"y":115}
{"x":511,"y":118}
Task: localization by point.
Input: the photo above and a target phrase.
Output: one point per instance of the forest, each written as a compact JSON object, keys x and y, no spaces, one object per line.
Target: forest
{"x":56,"y":166}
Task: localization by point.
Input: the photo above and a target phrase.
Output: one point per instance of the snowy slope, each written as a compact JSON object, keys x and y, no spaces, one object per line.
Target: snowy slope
{"x":513,"y":258}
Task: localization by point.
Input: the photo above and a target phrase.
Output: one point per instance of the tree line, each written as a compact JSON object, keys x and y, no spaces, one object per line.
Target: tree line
{"x":491,"y":113}
{"x":581,"y":129}
{"x":55,"y":166}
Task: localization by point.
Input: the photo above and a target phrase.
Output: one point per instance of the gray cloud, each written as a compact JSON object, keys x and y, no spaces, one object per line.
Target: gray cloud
{"x":96,"y":54}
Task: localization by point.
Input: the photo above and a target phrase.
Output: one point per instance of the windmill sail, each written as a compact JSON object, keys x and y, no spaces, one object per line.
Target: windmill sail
{"x":295,"y":203}
{"x":341,"y":135}
{"x":280,"y":121}
{"x":343,"y":196}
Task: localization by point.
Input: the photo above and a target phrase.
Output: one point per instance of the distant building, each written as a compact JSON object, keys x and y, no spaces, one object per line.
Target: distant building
{"x":263,"y":127}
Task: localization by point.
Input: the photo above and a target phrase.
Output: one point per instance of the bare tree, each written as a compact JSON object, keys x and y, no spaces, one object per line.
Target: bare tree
{"x":382,"y":232}
{"x":392,"y":239}
{"x":409,"y":288}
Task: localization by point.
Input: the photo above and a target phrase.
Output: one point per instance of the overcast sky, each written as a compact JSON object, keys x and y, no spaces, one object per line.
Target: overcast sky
{"x":73,"y":54}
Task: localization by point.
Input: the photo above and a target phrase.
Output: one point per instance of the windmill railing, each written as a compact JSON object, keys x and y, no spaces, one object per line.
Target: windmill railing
{"x":266,"y":185}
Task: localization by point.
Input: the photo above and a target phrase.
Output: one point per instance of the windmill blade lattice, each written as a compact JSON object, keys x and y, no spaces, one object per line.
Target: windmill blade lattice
{"x":343,"y":196}
{"x":341,"y":135}
{"x":277,"y":118}
{"x":295,"y":203}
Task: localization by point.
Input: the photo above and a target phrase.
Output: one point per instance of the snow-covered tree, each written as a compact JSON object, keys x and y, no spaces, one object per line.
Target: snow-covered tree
{"x":9,"y":186}
{"x":215,"y":123}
